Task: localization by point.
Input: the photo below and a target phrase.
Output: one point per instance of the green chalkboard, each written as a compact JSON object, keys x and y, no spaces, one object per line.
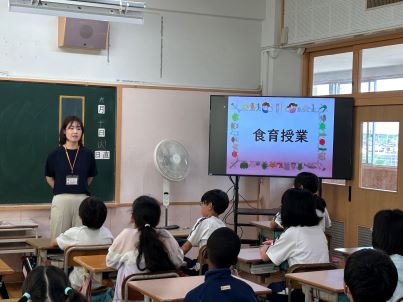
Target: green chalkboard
{"x":30,"y":116}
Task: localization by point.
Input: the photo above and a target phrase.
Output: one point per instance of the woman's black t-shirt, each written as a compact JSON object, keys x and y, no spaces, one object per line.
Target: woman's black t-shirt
{"x":58,"y":167}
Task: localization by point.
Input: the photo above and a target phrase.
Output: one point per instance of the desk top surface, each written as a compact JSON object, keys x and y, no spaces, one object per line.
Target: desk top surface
{"x":175,"y":289}
{"x":5,"y":269}
{"x":249,"y":255}
{"x":347,"y":251}
{"x":94,"y":263}
{"x":42,"y":244}
{"x":11,"y":224}
{"x":180,"y":233}
{"x":331,"y":280}
{"x":265,"y":224}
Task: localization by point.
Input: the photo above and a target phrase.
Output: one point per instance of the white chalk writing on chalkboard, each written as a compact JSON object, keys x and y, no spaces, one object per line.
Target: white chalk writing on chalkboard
{"x":101,"y":154}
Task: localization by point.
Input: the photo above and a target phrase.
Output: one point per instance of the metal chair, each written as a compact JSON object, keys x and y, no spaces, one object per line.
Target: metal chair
{"x":142,"y":276}
{"x":82,"y":250}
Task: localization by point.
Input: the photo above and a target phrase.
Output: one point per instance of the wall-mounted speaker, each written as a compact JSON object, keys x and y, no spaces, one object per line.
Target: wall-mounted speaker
{"x":80,"y":33}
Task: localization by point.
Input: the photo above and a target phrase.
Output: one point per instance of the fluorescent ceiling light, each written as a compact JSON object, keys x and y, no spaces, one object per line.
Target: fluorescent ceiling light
{"x":105,"y":10}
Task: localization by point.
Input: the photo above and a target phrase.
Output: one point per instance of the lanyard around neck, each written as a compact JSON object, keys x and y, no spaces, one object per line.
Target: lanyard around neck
{"x":68,"y":158}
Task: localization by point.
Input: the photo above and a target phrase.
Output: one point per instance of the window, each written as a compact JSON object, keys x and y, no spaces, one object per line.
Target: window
{"x":379,"y":155}
{"x":382,"y":68}
{"x":332,"y":74}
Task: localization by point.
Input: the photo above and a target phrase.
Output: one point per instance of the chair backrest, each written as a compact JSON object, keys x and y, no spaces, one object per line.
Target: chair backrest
{"x":301,"y":268}
{"x":202,"y":258}
{"x":142,"y":276}
{"x":82,"y":250}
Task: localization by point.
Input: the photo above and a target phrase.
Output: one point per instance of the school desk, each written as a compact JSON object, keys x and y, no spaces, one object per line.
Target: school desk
{"x":266,"y":231}
{"x":95,"y":265}
{"x":249,"y":261}
{"x":13,"y":236}
{"x":42,"y":246}
{"x":181,"y":233}
{"x":175,"y":289}
{"x":325,"y":285}
{"x":347,"y":251}
{"x":4,"y":270}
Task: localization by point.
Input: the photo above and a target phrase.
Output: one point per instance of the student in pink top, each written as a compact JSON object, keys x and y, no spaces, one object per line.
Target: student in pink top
{"x":144,"y":248}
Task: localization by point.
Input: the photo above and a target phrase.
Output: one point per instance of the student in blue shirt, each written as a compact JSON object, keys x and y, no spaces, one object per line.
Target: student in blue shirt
{"x":223,"y":247}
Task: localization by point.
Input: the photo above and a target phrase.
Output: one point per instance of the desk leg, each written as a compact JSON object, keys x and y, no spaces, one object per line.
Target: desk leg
{"x":307,"y":292}
{"x":41,"y":257}
{"x":147,"y":299}
{"x":3,"y":289}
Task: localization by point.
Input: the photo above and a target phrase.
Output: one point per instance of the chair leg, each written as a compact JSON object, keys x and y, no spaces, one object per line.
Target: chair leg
{"x":3,"y":289}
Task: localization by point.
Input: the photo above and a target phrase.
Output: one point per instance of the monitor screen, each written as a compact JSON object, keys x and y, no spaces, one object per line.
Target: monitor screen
{"x":281,"y":136}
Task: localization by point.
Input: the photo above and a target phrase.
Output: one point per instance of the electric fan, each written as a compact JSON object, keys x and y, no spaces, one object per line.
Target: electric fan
{"x":172,"y":160}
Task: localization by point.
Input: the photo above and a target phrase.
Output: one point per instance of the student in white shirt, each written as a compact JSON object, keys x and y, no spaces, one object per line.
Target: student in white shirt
{"x":213,"y":203}
{"x":93,"y":214}
{"x":310,"y":182}
{"x":387,"y":235}
{"x":303,"y":240}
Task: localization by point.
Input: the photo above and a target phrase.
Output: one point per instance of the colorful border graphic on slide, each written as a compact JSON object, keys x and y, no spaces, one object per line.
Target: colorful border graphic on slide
{"x":285,"y":135}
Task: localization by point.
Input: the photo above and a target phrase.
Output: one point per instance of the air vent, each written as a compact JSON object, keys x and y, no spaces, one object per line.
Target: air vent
{"x":337,"y":233}
{"x":364,"y":236}
{"x":378,"y":3}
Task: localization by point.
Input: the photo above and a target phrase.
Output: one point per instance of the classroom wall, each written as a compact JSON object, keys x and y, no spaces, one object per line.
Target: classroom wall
{"x":215,"y":44}
{"x":317,"y":21}
{"x":170,"y":114}
{"x":196,"y":47}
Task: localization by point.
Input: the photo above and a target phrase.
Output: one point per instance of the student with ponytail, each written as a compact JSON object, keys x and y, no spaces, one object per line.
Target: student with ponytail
{"x":49,"y":284}
{"x":144,"y":248}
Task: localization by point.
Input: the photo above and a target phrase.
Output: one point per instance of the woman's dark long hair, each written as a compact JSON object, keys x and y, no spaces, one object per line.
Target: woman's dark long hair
{"x":146,"y":215}
{"x":49,"y":284}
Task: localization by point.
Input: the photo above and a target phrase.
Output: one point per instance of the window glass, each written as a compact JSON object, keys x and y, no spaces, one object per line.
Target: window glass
{"x":382,"y":68}
{"x":379,"y":155}
{"x":332,"y":74}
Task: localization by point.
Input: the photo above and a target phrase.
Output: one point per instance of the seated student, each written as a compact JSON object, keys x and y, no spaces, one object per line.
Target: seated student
{"x":387,"y":235}
{"x":303,"y":240}
{"x":144,"y":248}
{"x":213,"y":203}
{"x":310,"y":182}
{"x":93,"y":213}
{"x":48,"y":283}
{"x":369,"y":276}
{"x":223,"y":247}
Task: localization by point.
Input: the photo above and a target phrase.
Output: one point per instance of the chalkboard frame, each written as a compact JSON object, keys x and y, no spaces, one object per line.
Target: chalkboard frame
{"x":115,"y":186}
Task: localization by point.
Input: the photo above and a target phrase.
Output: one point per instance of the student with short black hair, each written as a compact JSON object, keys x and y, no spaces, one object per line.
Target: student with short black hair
{"x":213,"y":203}
{"x":310,"y":182}
{"x":223,"y":247}
{"x":143,"y":248}
{"x":93,"y":214}
{"x":387,"y":235}
{"x":50,"y":284}
{"x":370,"y":276}
{"x":303,"y":241}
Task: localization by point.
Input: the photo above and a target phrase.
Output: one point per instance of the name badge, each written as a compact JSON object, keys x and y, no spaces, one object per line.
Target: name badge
{"x":71,"y":180}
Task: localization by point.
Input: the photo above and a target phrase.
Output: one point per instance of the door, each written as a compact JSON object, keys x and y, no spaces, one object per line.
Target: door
{"x":376,"y":174}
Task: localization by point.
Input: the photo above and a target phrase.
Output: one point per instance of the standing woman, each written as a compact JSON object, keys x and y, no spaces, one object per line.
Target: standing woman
{"x":69,"y":171}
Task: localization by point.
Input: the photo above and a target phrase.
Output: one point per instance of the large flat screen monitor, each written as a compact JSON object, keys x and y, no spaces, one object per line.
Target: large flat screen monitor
{"x":281,"y":136}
